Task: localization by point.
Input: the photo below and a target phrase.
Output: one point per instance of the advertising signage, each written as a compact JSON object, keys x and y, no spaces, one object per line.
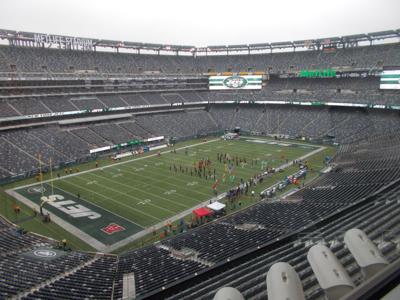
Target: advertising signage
{"x":318,"y":73}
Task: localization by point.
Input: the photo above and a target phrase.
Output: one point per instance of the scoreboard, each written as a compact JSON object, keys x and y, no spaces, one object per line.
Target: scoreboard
{"x":235,"y":82}
{"x":390,"y":80}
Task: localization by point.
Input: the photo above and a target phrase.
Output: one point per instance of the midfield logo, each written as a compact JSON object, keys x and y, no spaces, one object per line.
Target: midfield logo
{"x":112,"y":228}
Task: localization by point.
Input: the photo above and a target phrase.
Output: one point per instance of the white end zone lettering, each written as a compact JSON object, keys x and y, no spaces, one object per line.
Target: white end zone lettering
{"x":70,"y":207}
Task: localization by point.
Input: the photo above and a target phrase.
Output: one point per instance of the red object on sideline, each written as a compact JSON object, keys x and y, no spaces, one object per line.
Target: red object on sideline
{"x":202,"y":212}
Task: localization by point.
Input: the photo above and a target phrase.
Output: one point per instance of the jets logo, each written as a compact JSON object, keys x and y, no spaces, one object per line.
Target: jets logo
{"x":44,"y":253}
{"x":112,"y":228}
{"x":36,"y":190}
{"x":235,"y":82}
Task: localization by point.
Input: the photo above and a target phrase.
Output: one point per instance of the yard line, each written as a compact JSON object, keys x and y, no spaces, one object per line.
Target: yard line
{"x":112,"y":200}
{"x":130,"y":221}
{"x":182,"y":186}
{"x":166,"y":182}
{"x":264,"y":138}
{"x":239,"y":149}
{"x":130,"y":196}
{"x":247,"y":171}
{"x":184,"y":162}
{"x":243,"y":150}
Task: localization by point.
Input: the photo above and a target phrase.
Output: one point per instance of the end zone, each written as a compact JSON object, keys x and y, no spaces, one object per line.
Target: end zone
{"x":93,"y":224}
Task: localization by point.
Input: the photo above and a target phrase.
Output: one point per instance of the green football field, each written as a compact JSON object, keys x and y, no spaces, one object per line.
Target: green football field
{"x":108,"y":204}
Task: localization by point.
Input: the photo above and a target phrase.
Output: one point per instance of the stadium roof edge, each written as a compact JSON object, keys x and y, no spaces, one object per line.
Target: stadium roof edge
{"x":356,"y":37}
{"x":217,"y":47}
{"x":382,"y":33}
{"x":23,"y":38}
{"x":242,"y":46}
{"x":331,"y":39}
{"x":260,"y":44}
{"x":281,"y":44}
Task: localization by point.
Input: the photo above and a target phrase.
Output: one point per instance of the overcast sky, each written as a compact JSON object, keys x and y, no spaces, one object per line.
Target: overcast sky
{"x":201,"y":22}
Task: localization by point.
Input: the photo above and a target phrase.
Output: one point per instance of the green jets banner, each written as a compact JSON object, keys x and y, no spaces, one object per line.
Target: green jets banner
{"x":390,"y":80}
{"x":246,"y":82}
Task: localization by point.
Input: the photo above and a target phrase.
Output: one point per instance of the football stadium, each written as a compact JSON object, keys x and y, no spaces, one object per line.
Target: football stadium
{"x":137,"y":170}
